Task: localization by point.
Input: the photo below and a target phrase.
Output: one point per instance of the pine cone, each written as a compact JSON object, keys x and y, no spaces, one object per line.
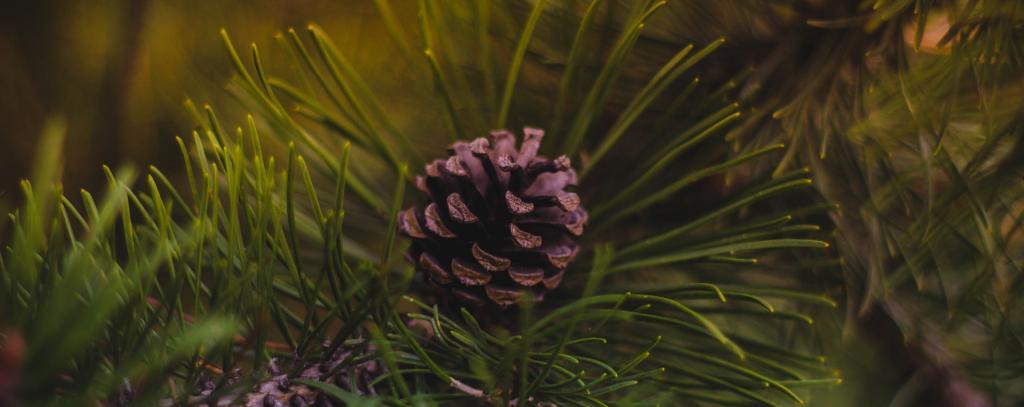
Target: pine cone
{"x":499,"y":222}
{"x":279,"y":390}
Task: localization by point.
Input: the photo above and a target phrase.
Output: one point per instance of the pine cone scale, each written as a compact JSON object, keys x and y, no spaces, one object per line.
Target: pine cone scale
{"x":469,"y":273}
{"x":516,"y":205}
{"x":435,"y":223}
{"x":526,"y":276}
{"x":436,"y":272}
{"x":490,"y":261}
{"x":459,"y":211}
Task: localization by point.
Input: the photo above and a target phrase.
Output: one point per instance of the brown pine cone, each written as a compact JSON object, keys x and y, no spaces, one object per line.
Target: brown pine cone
{"x":499,"y":223}
{"x":279,"y":390}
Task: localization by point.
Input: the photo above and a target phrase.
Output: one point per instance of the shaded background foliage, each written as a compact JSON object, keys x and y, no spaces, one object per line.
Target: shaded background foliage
{"x":842,"y":83}
{"x":119,"y":71}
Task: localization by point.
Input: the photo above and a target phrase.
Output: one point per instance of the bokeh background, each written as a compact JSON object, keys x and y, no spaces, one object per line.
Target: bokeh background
{"x":118,"y":72}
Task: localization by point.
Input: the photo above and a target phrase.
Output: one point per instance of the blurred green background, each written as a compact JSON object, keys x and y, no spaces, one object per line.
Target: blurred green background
{"x":119,"y":71}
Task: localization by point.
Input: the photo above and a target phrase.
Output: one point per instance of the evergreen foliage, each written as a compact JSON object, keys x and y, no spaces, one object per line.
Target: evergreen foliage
{"x":273,"y":273}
